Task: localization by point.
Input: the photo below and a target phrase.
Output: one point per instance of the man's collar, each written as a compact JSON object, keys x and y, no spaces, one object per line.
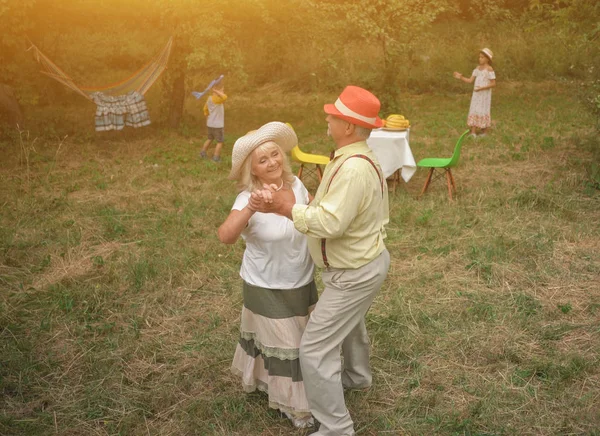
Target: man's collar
{"x":355,"y":147}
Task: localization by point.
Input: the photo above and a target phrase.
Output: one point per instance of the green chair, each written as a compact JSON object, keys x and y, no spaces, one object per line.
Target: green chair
{"x":446,"y":164}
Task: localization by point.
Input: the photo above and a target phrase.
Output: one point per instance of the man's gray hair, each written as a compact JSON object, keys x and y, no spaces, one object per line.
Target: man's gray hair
{"x":362,"y":132}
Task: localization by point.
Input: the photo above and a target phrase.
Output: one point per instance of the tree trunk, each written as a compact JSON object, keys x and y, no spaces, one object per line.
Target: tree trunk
{"x":177,"y":99}
{"x":10,"y":110}
{"x":385,"y":53}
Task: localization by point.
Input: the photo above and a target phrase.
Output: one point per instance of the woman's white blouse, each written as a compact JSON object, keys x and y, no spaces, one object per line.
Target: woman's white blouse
{"x":276,"y":254}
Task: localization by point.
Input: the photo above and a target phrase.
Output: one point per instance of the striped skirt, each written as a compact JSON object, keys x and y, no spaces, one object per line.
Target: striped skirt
{"x":266,"y":357}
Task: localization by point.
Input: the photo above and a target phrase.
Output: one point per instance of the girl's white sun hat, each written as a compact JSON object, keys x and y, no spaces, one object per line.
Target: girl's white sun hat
{"x":488,"y":53}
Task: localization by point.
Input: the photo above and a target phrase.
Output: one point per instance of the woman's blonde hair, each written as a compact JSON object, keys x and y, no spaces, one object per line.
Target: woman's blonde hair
{"x":249,"y":182}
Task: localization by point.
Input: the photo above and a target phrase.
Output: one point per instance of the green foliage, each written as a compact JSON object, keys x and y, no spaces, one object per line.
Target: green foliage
{"x":491,"y":10}
{"x":301,"y":45}
{"x":565,"y":308}
{"x":580,"y":16}
{"x":527,"y":304}
{"x":389,"y":30}
{"x":590,"y":95}
{"x":14,"y":69}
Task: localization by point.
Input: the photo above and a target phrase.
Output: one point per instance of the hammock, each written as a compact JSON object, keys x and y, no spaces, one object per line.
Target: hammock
{"x":139,"y":82}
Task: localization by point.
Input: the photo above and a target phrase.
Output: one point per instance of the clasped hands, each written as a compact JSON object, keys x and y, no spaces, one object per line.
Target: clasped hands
{"x":270,"y":200}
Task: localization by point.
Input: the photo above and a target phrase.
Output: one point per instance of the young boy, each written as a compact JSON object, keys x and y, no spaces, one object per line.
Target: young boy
{"x":215,"y":121}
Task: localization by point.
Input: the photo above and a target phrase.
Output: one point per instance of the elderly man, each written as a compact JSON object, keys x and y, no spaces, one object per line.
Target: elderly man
{"x":345,"y":228}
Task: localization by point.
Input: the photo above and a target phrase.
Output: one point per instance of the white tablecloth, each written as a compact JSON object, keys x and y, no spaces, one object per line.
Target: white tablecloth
{"x":393,"y":152}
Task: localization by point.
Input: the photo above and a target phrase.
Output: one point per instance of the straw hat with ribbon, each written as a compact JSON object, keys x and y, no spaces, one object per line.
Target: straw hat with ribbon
{"x":280,"y":133}
{"x":357,"y":106}
{"x":488,"y":53}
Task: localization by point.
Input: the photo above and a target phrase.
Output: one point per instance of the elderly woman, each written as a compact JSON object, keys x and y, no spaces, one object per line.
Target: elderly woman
{"x":277,"y":271}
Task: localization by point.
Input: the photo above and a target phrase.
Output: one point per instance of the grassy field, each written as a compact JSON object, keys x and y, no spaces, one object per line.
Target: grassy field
{"x":119,"y":308}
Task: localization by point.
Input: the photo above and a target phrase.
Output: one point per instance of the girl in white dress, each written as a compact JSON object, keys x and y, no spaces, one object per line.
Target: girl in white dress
{"x":485,"y":79}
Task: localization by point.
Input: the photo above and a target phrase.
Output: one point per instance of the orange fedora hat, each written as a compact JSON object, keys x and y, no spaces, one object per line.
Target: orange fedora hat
{"x":357,"y":106}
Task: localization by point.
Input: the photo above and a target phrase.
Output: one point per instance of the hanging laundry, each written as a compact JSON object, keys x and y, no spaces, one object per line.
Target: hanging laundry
{"x":119,"y":104}
{"x":116,"y":112}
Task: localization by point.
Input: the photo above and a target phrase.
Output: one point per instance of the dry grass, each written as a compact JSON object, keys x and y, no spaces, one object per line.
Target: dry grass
{"x":119,"y":308}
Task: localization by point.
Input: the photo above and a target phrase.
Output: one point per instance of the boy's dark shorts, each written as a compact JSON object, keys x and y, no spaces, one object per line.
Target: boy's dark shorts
{"x":216,"y":133}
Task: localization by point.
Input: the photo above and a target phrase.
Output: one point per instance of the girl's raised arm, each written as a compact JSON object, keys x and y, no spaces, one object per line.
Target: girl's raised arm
{"x":463,"y":78}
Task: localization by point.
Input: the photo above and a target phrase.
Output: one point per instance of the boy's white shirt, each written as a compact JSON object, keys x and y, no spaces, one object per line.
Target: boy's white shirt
{"x":216,"y":114}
